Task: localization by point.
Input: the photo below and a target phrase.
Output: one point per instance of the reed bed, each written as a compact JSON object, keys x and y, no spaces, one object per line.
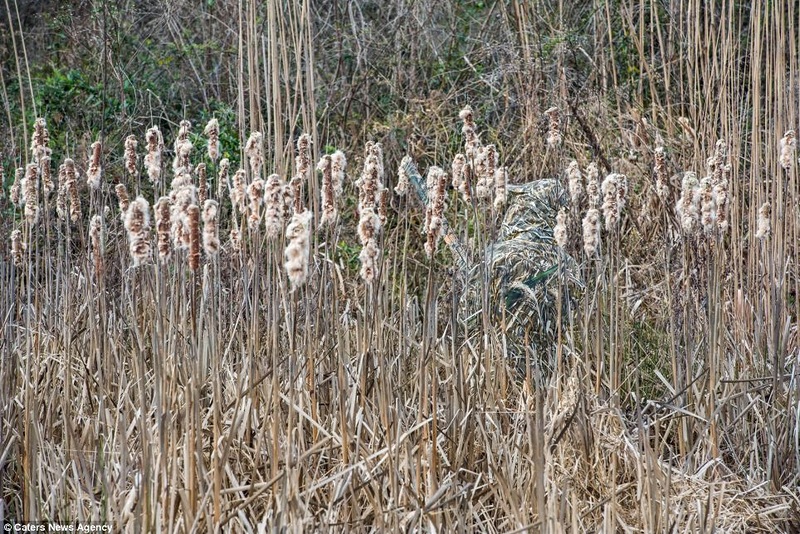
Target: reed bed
{"x":298,"y":334}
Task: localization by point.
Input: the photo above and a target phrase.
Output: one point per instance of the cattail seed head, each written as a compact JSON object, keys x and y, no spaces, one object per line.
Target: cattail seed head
{"x":193,"y":220}
{"x":130,"y":154}
{"x":612,"y":186}
{"x":238,"y":193}
{"x":255,"y":194}
{"x":663,"y":189}
{"x":47,"y":178}
{"x":122,"y":197}
{"x":764,"y":229}
{"x":457,"y":169}
{"x":63,"y":192}
{"x":71,"y":180}
{"x":688,"y":207}
{"x":370,"y":259}
{"x":338,"y":170}
{"x":210,"y":228}
{"x":94,"y":170}
{"x":152,"y":160}
{"x":592,"y":185}
{"x":39,"y":141}
{"x":163,"y":211}
{"x":327,"y":192}
{"x":212,"y":132}
{"x":708,"y":207}
{"x":236,"y":240}
{"x":472,"y":143}
{"x":274,"y":201}
{"x":254,"y":150}
{"x":32,"y":193}
{"x":137,"y":223}
{"x":787,"y":149}
{"x":17,"y":248}
{"x":721,"y":196}
{"x":182,"y":162}
{"x":297,"y":250}
{"x":437,"y":196}
{"x":403,"y":181}
{"x":560,"y":229}
{"x":575,"y":182}
{"x":202,"y":183}
{"x":591,"y":232}
{"x":96,"y":244}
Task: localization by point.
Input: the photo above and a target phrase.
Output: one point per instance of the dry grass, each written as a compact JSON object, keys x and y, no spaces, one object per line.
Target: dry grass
{"x":208,"y":391}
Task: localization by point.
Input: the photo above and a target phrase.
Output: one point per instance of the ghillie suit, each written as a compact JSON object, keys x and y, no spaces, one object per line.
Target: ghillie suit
{"x":522,"y":272}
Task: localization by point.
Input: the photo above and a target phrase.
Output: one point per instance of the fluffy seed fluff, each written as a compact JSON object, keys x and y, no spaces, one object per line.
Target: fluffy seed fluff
{"x":152,"y":160}
{"x":164,"y":229}
{"x":96,"y":242}
{"x":47,"y":179}
{"x":137,"y":223}
{"x":222,"y":177}
{"x":16,"y":188}
{"x":368,"y":228}
{"x":130,"y":154}
{"x":238,"y":192}
{"x":94,"y":170}
{"x":591,"y":232}
{"x":274,"y":210}
{"x":254,"y":150}
{"x":708,"y":206}
{"x":71,"y":181}
{"x":403,"y":181}
{"x":212,"y":133}
{"x":122,"y":197}
{"x":457,"y":169}
{"x":614,"y":188}
{"x":255,"y":194}
{"x":32,"y":193}
{"x":688,"y":207}
{"x":721,"y":196}
{"x":593,"y":185}
{"x":17,"y":248}
{"x":297,"y":249}
{"x":575,"y":183}
{"x":39,"y":141}
{"x":338,"y":170}
{"x":327,"y":193}
{"x":434,"y":213}
{"x":193,"y":220}
{"x":787,"y":148}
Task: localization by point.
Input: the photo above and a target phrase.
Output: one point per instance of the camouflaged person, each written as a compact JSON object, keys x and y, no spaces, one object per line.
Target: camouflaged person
{"x":522,"y":272}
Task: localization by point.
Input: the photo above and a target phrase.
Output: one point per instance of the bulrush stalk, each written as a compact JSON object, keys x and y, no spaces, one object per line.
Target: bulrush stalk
{"x":255,"y":194}
{"x":210,"y":228}
{"x":130,"y":154}
{"x":122,"y":197}
{"x":96,"y":244}
{"x":212,"y":133}
{"x":152,"y":160}
{"x":163,"y":210}
{"x":254,"y":150}
{"x":202,"y":183}
{"x":297,"y":249}
{"x":193,"y":221}
{"x":764,"y":228}
{"x":94,"y":171}
{"x":327,"y":192}
{"x":137,"y":223}
{"x":17,"y":248}
{"x":554,"y":127}
{"x":32,"y":194}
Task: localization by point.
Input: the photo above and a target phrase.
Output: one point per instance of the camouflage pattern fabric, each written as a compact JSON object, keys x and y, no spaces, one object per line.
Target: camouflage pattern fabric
{"x":523,"y":270}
